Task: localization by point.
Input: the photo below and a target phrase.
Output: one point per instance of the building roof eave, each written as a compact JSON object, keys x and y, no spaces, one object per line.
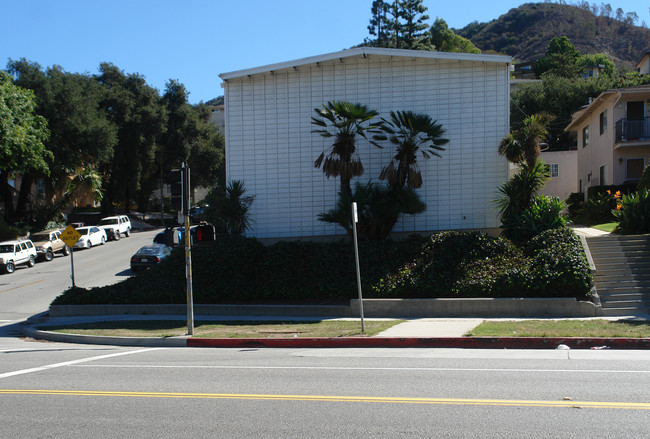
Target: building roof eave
{"x":365,"y":52}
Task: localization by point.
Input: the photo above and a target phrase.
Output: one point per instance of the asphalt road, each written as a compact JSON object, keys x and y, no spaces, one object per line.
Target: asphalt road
{"x":29,"y":291}
{"x":67,"y":391}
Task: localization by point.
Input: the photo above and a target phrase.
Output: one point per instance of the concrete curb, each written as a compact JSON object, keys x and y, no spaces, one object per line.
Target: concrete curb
{"x":350,"y":342}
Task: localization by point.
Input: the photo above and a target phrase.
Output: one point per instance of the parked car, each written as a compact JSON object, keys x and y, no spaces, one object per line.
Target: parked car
{"x":90,"y":236}
{"x":149,"y":255}
{"x":47,"y":243}
{"x":177,"y":235}
{"x":114,"y":226}
{"x":197,"y":214}
{"x":13,"y":253}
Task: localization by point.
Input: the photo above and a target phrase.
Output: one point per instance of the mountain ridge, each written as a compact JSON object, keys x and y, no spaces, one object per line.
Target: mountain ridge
{"x":524,"y":33}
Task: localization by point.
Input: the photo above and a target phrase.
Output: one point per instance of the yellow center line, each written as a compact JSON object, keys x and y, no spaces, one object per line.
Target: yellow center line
{"x":22,"y":286}
{"x":326,"y":398}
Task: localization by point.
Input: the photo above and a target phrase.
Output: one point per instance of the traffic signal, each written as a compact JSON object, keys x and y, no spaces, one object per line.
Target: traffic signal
{"x":204,"y":233}
{"x":180,"y":189}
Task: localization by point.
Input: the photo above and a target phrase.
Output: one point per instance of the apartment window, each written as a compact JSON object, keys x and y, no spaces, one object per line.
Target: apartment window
{"x":554,"y":169}
{"x":634,"y":169}
{"x":585,"y":136}
{"x":603,"y":122}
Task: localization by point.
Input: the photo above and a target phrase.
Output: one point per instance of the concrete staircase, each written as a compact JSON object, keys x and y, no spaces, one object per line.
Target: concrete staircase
{"x":622,"y":273}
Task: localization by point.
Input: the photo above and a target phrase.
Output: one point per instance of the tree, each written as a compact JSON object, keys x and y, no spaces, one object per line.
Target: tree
{"x":595,"y":59}
{"x":345,"y":122}
{"x":400,"y":24}
{"x":560,"y":59}
{"x":22,"y":137}
{"x":230,"y":208}
{"x":82,"y":137}
{"x":444,"y":39}
{"x":410,"y":132}
{"x":378,"y":208}
{"x":379,"y":23}
{"x":413,"y":27}
{"x":137,"y":111}
{"x":523,"y":145}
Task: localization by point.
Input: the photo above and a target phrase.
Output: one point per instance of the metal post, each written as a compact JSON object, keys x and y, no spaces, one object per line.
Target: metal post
{"x":355,"y":219}
{"x":188,"y":251}
{"x":72,"y":265}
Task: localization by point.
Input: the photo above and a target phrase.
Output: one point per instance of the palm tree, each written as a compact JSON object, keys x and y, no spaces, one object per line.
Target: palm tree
{"x":379,"y":208}
{"x":345,"y":122}
{"x":410,"y":132}
{"x":522,"y":147}
{"x":524,"y":143}
{"x":234,"y":208}
{"x":84,"y":186}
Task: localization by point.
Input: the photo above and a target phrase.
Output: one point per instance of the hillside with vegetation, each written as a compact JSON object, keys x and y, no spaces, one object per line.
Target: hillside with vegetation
{"x":524,"y":32}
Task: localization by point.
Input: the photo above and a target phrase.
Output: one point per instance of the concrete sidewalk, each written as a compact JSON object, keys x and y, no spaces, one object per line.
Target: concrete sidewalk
{"x":588,"y":231}
{"x":438,"y":327}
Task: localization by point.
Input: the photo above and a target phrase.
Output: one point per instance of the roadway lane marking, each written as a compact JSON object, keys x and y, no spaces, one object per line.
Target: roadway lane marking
{"x":72,"y":362}
{"x":329,"y":398}
{"x":22,"y":286}
{"x":406,"y":369}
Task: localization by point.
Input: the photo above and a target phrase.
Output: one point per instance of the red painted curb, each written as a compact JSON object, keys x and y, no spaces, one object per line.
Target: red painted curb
{"x":451,"y":342}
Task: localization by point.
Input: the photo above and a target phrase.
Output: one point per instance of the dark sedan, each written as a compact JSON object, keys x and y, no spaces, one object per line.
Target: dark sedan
{"x":149,"y":255}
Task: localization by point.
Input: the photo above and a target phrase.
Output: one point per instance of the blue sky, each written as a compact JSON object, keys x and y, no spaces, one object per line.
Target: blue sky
{"x":193,"y":41}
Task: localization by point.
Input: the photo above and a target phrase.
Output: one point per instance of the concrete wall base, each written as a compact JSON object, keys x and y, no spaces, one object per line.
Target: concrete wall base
{"x":483,"y":307}
{"x":387,"y":308}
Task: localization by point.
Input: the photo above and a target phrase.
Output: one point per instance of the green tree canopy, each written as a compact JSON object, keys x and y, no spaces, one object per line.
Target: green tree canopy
{"x":400,"y":24}
{"x":22,"y":137}
{"x":560,"y":59}
{"x":82,"y":136}
{"x":444,"y":39}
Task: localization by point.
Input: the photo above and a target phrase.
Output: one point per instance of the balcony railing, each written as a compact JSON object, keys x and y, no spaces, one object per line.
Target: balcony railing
{"x":629,"y":129}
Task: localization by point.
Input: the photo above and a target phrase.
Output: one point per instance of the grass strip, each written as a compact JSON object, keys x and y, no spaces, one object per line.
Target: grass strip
{"x":228,"y":329}
{"x":563,"y":328}
{"x":606,"y":227}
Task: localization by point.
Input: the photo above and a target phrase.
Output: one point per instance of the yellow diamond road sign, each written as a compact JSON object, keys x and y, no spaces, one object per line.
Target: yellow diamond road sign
{"x":70,"y":236}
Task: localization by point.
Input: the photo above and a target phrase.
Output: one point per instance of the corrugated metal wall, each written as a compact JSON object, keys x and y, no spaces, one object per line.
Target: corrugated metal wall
{"x":271,"y":148}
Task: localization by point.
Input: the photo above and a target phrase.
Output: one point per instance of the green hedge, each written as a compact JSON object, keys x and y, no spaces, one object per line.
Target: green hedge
{"x":448,"y":264}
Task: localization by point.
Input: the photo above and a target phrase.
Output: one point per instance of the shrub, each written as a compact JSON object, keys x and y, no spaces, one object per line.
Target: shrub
{"x":544,"y":213}
{"x":456,"y":264}
{"x":378,"y":207}
{"x":10,"y":232}
{"x":633,"y":213}
{"x":559,"y":266}
{"x":575,"y":203}
{"x":599,"y":207}
{"x":644,"y":183}
{"x":235,"y":269}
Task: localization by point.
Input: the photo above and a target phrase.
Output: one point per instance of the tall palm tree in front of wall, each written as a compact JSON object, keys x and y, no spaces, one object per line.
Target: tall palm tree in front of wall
{"x":410,"y":133}
{"x":522,"y":147}
{"x":345,"y":122}
{"x":524,"y":143}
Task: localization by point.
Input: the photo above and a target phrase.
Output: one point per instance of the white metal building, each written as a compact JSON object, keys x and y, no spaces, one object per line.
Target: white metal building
{"x":271,"y":147}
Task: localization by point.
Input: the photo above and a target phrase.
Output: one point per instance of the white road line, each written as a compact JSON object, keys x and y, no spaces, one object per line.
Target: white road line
{"x":405,"y":369}
{"x":73,"y":362}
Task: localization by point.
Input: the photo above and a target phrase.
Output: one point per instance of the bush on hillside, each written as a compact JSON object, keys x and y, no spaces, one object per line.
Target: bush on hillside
{"x":448,"y":264}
